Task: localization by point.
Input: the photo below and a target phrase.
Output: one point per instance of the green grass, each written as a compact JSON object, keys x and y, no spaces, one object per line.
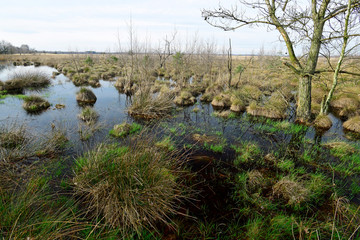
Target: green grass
{"x":280,"y":126}
{"x":216,"y":148}
{"x":247,"y":152}
{"x":166,"y":143}
{"x":30,"y":212}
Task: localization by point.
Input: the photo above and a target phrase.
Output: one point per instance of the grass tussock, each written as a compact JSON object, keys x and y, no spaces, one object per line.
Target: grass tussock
{"x":26,"y":79}
{"x":323,"y":122}
{"x":147,"y":106}
{"x":35,"y":103}
{"x":85,"y":96}
{"x":353,"y":124}
{"x":132,"y":187}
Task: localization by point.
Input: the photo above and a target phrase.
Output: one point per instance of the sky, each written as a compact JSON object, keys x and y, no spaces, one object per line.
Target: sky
{"x":89,"y":25}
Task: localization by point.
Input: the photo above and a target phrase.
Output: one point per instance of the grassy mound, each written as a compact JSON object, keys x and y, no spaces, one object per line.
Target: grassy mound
{"x":34,"y":103}
{"x":353,"y":124}
{"x":25,"y":79}
{"x":322,"y":122}
{"x":85,"y":96}
{"x":130,"y":187}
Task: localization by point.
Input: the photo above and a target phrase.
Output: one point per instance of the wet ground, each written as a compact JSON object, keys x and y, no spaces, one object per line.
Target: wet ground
{"x":111,"y":106}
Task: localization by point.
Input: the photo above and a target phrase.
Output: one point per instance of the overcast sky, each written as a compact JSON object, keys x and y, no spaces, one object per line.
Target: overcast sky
{"x":94,"y":25}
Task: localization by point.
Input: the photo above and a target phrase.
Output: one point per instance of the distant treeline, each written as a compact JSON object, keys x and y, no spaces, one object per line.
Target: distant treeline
{"x":8,"y":48}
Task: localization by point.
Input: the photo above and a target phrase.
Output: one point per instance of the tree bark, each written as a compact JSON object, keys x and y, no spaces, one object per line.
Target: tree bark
{"x":303,"y":111}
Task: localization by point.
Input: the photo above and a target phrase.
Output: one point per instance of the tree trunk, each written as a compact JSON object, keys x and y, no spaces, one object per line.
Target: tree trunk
{"x":303,"y":110}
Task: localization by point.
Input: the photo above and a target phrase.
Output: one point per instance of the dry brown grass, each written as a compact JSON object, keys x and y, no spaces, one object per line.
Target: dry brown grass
{"x":291,"y":191}
{"x":323,"y":122}
{"x":353,"y":124}
{"x":147,"y":106}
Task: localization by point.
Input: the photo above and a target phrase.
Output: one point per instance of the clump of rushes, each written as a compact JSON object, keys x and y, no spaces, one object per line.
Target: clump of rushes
{"x":88,"y":115}
{"x":85,"y":96}
{"x":147,"y":106}
{"x":25,"y":79}
{"x":34,"y":103}
{"x":130,"y":187}
{"x":125,"y":129}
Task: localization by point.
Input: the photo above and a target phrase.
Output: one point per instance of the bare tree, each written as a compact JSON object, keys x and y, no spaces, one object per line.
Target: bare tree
{"x":298,"y":23}
{"x":165,"y":51}
{"x":346,"y":26}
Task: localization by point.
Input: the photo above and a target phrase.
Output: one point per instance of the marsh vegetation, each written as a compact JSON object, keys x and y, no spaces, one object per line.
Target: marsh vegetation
{"x":145,"y":149}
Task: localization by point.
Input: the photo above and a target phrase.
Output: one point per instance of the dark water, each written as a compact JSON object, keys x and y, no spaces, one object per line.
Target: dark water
{"x":111,"y":106}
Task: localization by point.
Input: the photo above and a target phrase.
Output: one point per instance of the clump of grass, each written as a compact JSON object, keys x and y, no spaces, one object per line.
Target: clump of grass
{"x":26,"y":79}
{"x":85,"y":96}
{"x":353,"y":124}
{"x":130,"y":187}
{"x":221,"y":101}
{"x":125,"y":129}
{"x":247,"y":152}
{"x":88,"y":115}
{"x":185,"y":99}
{"x":147,"y":106}
{"x":28,"y":213}
{"x":293,"y":192}
{"x":34,"y":103}
{"x":323,"y":122}
{"x":237,"y":105}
